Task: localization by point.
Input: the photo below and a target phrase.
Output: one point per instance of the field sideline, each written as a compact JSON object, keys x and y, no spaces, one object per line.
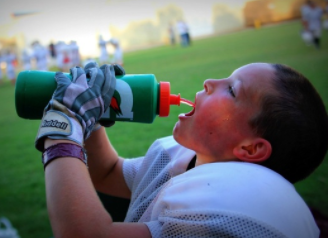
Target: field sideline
{"x":22,"y":193}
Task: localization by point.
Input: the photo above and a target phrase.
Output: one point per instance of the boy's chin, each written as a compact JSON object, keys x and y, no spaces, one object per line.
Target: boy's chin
{"x":176,"y":132}
{"x":178,"y":135}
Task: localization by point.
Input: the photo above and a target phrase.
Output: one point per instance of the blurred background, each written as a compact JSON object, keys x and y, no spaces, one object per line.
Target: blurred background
{"x":61,"y":25}
{"x":183,"y":42}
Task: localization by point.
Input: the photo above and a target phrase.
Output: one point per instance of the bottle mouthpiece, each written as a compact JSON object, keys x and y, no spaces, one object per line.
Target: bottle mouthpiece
{"x":175,"y":99}
{"x":166,"y":99}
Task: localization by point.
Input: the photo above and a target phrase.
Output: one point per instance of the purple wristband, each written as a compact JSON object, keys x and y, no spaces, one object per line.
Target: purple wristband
{"x":63,"y":150}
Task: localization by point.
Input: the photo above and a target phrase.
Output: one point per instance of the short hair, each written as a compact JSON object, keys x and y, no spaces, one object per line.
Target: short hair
{"x":294,"y":120}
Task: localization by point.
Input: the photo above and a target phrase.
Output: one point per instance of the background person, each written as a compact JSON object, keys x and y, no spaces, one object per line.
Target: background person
{"x":171,"y":33}
{"x":104,"y":57}
{"x":312,"y":18}
{"x":118,"y":52}
{"x":74,"y":54}
{"x":1,"y":60}
{"x":40,"y":54}
{"x":10,"y":59}
{"x":26,"y":60}
{"x":228,"y":169}
{"x":183,"y":30}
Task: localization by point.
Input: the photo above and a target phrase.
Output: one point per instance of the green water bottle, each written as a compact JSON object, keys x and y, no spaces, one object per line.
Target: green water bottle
{"x":137,"y":97}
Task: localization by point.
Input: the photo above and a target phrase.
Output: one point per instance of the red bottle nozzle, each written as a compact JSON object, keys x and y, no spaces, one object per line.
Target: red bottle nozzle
{"x":175,"y":99}
{"x":166,"y":99}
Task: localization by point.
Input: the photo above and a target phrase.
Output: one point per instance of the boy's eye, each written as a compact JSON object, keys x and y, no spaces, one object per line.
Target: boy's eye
{"x":231,"y":91}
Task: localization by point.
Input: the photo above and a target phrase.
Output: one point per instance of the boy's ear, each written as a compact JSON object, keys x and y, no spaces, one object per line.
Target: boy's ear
{"x":253,"y":151}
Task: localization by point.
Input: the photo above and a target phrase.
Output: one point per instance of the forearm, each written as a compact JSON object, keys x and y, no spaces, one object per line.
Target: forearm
{"x":73,"y":205}
{"x":70,"y":196}
{"x":105,"y":166}
{"x":102,"y":156}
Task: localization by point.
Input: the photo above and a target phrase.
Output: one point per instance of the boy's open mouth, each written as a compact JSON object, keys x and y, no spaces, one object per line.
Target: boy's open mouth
{"x":189,"y":114}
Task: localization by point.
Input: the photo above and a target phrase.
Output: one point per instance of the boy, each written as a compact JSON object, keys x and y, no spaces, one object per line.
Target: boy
{"x":226,"y":172}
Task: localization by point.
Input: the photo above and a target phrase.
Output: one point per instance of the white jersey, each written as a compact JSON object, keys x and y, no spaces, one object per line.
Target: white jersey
{"x":74,"y":54}
{"x":313,"y":17}
{"x":118,"y":53}
{"x":103,"y":51}
{"x":1,"y":60}
{"x":40,"y":53}
{"x":60,"y":55}
{"x":182,"y":27}
{"x":304,"y":11}
{"x":10,"y":67}
{"x":224,"y":199}
{"x":26,"y":60}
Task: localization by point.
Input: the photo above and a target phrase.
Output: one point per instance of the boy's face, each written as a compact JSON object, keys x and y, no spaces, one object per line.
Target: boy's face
{"x":222,"y":112}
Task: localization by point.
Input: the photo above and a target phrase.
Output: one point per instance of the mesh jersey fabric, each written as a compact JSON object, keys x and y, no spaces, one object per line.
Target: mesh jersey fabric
{"x":224,"y":199}
{"x":145,"y":176}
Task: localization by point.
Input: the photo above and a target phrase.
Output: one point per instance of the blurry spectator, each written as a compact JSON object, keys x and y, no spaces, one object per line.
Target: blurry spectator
{"x":304,"y":11}
{"x":67,"y":62}
{"x":52,"y":53}
{"x":103,"y":51}
{"x":1,"y":60}
{"x":312,"y":21}
{"x":60,"y":55}
{"x":305,"y":33}
{"x":118,"y":53}
{"x":52,"y":50}
{"x":40,"y":54}
{"x":26,"y":60}
{"x":10,"y":59}
{"x":184,"y":33}
{"x":325,"y":22}
{"x":171,"y":34}
{"x":74,"y":54}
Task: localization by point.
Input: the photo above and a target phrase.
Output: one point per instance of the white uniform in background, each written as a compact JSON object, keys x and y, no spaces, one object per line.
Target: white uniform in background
{"x":325,"y":22}
{"x":313,"y":17}
{"x":103,"y":51}
{"x":118,"y":53}
{"x":1,"y":60}
{"x":183,"y":30}
{"x":230,"y":199}
{"x":67,"y":61}
{"x":40,"y":54}
{"x":60,"y":55}
{"x":26,"y":60}
{"x":74,"y":54}
{"x":9,"y":58}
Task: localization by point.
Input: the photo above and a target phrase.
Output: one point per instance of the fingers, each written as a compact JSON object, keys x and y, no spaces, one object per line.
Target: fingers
{"x":78,"y":76}
{"x":61,"y":78}
{"x":109,"y":75}
{"x":90,"y":65}
{"x":62,"y":83}
{"x":119,"y":70}
{"x":108,"y":88}
{"x":93,"y":74}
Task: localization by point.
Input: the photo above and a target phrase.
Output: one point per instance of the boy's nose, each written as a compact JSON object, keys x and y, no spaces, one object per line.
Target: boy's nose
{"x":209,"y":85}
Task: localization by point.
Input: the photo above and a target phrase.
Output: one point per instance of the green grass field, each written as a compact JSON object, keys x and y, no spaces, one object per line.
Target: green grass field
{"x":22,"y":193}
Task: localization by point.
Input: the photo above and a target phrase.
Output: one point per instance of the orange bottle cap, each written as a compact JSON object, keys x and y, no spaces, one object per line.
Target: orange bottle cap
{"x":166,"y":99}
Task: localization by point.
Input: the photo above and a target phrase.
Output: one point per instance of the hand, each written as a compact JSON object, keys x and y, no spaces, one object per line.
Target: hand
{"x":119,"y":71}
{"x":77,"y":104}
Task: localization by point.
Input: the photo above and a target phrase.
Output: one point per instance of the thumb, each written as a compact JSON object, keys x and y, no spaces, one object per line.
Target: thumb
{"x":62,"y":79}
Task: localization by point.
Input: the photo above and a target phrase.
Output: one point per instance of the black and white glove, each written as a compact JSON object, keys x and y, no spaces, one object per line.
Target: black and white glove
{"x":78,"y":103}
